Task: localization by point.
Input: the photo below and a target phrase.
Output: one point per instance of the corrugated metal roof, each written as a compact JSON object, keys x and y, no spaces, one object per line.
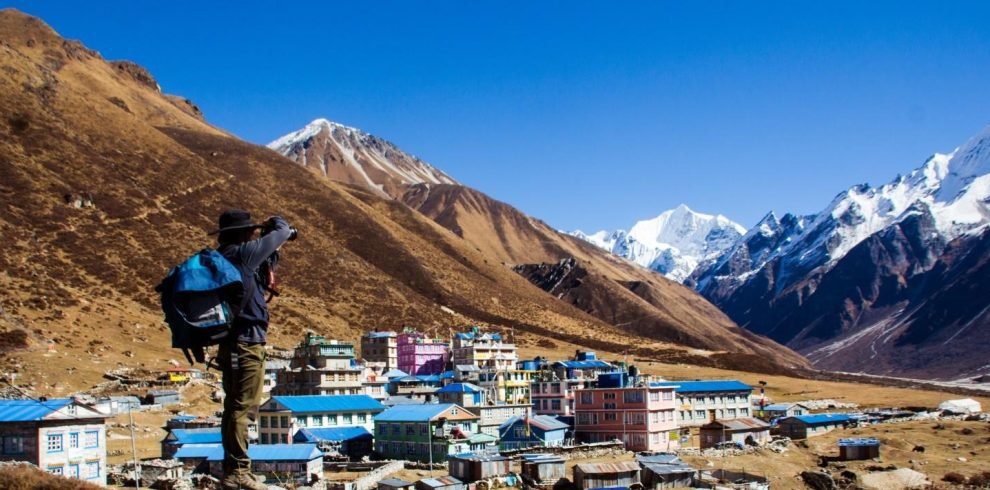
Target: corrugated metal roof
{"x":669,"y":469}
{"x":395,"y":482}
{"x":822,"y":418}
{"x":380,"y":335}
{"x":460,"y":388}
{"x":662,"y":458}
{"x":197,"y":451}
{"x":395,"y":373}
{"x":440,"y":481}
{"x":706,"y":386}
{"x":619,"y":467}
{"x":414,"y":413}
{"x":317,"y":434}
{"x":208,"y":435}
{"x":591,"y":364}
{"x":275,"y":452}
{"x":780,"y":407}
{"x":745,"y":423}
{"x":545,"y":422}
{"x":542,"y":458}
{"x":862,"y":441}
{"x":402,"y":400}
{"x":481,"y":438}
{"x":24,"y":410}
{"x":479,"y":456}
{"x":329,"y":403}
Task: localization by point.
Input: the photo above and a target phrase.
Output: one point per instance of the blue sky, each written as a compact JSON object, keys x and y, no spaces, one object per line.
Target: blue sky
{"x":587,"y":115}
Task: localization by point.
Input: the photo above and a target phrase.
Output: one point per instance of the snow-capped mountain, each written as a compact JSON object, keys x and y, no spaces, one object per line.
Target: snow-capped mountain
{"x":830,"y":283}
{"x":350,"y":155}
{"x":674,"y":243}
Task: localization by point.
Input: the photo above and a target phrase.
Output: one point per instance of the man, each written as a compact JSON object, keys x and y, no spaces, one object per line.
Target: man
{"x":242,"y":356}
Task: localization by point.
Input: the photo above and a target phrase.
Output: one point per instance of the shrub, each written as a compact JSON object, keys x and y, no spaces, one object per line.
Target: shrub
{"x":953,"y":477}
{"x":980,"y":480}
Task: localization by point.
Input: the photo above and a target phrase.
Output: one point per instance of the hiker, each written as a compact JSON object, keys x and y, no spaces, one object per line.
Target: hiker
{"x":242,"y":357}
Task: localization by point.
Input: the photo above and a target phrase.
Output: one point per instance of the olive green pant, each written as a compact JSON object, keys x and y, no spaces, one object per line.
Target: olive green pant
{"x":243,"y":367}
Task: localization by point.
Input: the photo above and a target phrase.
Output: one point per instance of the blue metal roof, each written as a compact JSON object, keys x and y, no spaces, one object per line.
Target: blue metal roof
{"x":823,"y":418}
{"x":198,"y":451}
{"x":257,"y":452}
{"x":591,"y":364}
{"x":329,"y":403}
{"x":24,"y":410}
{"x":863,"y":441}
{"x":380,"y":335}
{"x":428,"y":378}
{"x":413,"y":413}
{"x":318,"y":434}
{"x":447,"y":375}
{"x":395,"y":373}
{"x":706,"y":386}
{"x":208,"y":435}
{"x":460,"y":388}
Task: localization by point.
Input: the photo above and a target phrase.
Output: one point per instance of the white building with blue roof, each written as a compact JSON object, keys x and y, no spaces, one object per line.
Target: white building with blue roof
{"x":700,"y":402}
{"x":60,"y":436}
{"x":281,"y":417}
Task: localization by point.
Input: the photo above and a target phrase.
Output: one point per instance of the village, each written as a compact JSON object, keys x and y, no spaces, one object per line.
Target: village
{"x":414,"y":411}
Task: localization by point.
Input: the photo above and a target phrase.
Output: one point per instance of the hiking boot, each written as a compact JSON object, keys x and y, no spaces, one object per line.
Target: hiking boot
{"x":242,"y":481}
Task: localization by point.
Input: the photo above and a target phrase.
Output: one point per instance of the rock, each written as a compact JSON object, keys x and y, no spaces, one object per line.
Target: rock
{"x":849,"y":475}
{"x":817,"y":480}
{"x":962,"y":459}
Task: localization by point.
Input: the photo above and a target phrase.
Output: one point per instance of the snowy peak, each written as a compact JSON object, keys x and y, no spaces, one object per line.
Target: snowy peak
{"x":352,"y":156}
{"x":673,"y":243}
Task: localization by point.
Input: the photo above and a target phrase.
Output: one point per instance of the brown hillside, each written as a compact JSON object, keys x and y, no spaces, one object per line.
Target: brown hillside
{"x":105,"y":183}
{"x":631,"y":298}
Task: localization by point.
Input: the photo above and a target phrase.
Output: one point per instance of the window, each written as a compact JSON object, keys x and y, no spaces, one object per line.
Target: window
{"x":264,"y":438}
{"x":520,"y":432}
{"x":555,"y":387}
{"x":610,"y":406}
{"x":632,"y":397}
{"x":584,"y":418}
{"x":74,"y":440}
{"x":654,"y":396}
{"x":555,"y":404}
{"x":395,"y":429}
{"x":744,"y":412}
{"x":285,"y":438}
{"x":610,"y":416}
{"x":317,"y":421}
{"x":609,"y":396}
{"x":536,"y":388}
{"x":424,"y":429}
{"x":56,"y":470}
{"x":410,"y":430}
{"x":13,"y":445}
{"x":586,"y":398}
{"x":699,"y":414}
{"x":545,"y":405}
{"x":55,"y":445}
{"x":732,"y":413}
{"x":301,"y":421}
{"x":285,"y":421}
{"x":263,"y":421}
{"x":668,"y":395}
{"x":360,"y":418}
{"x":92,"y":470}
{"x":347,"y":418}
{"x":332,"y":419}
{"x":73,"y":471}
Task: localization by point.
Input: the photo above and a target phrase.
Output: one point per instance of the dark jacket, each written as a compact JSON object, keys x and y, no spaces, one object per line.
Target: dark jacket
{"x":251,"y":324}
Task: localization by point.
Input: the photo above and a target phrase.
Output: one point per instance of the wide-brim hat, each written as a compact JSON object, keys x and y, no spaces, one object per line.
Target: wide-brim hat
{"x":234,"y":219}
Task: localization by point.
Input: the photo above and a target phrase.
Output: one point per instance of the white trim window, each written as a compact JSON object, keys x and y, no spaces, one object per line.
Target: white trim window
{"x":92,"y":439}
{"x":74,"y":440}
{"x":55,"y":445}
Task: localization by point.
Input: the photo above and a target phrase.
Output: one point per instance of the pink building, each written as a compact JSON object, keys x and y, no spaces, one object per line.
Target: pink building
{"x":642,"y":416}
{"x":556,"y":397}
{"x":419,"y":354}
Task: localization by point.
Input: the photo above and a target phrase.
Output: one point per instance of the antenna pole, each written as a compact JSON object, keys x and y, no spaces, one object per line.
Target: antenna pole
{"x":137,"y":467}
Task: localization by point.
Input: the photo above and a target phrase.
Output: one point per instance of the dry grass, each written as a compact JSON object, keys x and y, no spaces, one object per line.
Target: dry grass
{"x":28,"y":477}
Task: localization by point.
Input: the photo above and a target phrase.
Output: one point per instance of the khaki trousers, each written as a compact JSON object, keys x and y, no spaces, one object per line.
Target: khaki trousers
{"x":243,"y":367}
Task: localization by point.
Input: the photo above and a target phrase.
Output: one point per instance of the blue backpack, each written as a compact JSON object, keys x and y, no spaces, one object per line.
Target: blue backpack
{"x":201,"y":298}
